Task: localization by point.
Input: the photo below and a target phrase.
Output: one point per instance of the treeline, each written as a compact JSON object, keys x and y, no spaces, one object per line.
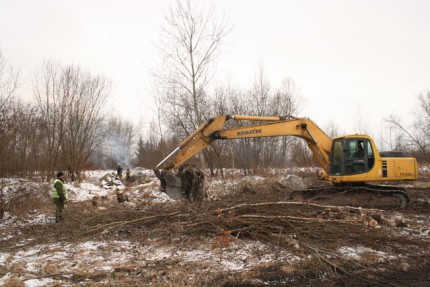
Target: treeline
{"x":65,"y":126}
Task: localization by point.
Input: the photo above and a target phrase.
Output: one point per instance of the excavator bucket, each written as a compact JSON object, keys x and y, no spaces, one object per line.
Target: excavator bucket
{"x":173,"y":186}
{"x":187,"y":183}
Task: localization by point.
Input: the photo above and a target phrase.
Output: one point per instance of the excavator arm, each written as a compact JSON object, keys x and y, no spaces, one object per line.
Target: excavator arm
{"x":214,"y":129}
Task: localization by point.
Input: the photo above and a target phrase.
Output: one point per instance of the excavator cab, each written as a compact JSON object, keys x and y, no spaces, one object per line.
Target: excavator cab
{"x":355,"y":159}
{"x":351,"y":156}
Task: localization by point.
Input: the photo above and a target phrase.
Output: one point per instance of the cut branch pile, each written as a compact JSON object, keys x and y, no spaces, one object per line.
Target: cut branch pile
{"x":312,"y":232}
{"x":306,"y":230}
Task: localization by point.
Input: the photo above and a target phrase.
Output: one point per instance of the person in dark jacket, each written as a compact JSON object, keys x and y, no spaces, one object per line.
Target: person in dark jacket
{"x":119,"y":172}
{"x":59,"y":196}
{"x":160,"y":174}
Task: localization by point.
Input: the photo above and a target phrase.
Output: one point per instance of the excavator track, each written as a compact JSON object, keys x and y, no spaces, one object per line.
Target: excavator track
{"x":366,"y":196}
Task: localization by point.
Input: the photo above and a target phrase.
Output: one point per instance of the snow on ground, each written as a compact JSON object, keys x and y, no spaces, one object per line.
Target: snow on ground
{"x":150,"y":193}
{"x":104,"y":256}
{"x":85,"y":191}
{"x":424,"y":168}
{"x":89,"y":188}
{"x":91,"y":185}
{"x":219,"y":187}
{"x":10,"y":187}
{"x":358,"y":252}
{"x":92,"y":257}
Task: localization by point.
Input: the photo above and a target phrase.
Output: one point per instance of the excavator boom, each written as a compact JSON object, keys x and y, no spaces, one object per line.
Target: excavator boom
{"x":214,"y":129}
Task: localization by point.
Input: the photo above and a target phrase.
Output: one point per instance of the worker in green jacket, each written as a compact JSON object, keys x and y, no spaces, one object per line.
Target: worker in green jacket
{"x":59,"y":196}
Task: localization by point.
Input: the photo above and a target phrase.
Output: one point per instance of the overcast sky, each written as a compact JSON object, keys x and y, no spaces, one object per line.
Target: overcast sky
{"x":350,"y":58}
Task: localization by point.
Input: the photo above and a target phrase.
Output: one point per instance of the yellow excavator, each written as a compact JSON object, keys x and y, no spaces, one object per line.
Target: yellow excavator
{"x":350,"y":163}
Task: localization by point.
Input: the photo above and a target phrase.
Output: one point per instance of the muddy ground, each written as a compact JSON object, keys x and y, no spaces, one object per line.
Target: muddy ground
{"x":245,"y":233}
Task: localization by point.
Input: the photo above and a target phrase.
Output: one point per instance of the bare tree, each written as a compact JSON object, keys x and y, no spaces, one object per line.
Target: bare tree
{"x":259,"y":105}
{"x":216,"y":152}
{"x":361,"y":124}
{"x":394,"y":135}
{"x":52,"y":105}
{"x":259,"y":93}
{"x":70,"y":103}
{"x":422,"y":121}
{"x":24,"y":140}
{"x":300,"y":154}
{"x":401,"y":137}
{"x":332,"y":129}
{"x":8,"y":82}
{"x":416,"y":136}
{"x":84,"y":122}
{"x":286,"y":102}
{"x":157,"y":129}
{"x":8,"y":87}
{"x":190,"y":43}
{"x":253,"y":154}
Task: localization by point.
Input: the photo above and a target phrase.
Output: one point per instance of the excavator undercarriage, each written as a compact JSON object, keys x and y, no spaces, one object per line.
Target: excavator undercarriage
{"x":363,"y":195}
{"x":189,"y":184}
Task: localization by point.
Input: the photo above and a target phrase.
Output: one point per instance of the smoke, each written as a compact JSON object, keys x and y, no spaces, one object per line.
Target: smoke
{"x":119,"y":151}
{"x":114,"y":150}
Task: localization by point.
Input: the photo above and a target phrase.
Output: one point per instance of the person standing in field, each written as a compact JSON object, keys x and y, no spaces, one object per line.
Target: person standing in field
{"x":128,"y":175}
{"x":59,"y":196}
{"x":119,"y":172}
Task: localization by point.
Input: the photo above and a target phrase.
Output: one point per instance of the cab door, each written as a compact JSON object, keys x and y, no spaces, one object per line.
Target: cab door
{"x":355,"y":157}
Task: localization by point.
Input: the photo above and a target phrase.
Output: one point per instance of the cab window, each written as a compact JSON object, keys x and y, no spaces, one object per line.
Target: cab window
{"x":355,"y":159}
{"x":351,"y":156}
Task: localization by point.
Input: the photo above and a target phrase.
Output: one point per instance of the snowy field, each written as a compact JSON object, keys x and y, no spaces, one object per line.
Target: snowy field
{"x":183,"y":261}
